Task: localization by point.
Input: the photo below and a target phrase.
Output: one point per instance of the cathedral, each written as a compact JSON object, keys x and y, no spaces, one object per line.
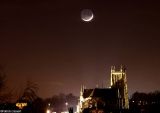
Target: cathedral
{"x":113,"y":99}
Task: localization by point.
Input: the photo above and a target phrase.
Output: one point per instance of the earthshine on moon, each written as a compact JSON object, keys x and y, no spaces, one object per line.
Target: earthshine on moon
{"x":86,"y":15}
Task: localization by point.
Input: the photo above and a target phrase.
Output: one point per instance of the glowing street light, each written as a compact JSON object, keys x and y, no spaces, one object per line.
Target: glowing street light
{"x":66,"y":103}
{"x":48,"y":111}
{"x":66,"y":106}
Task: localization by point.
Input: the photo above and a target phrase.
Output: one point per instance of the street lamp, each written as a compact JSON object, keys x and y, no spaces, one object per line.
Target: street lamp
{"x":48,"y":111}
{"x":66,"y":106}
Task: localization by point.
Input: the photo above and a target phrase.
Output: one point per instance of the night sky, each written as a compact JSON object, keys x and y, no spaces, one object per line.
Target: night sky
{"x":47,"y":42}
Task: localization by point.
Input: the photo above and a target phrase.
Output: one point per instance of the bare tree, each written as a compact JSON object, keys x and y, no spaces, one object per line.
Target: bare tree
{"x":29,"y":92}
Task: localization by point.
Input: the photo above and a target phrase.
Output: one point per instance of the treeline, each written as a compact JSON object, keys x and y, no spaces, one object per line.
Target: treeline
{"x":60,"y":103}
{"x":57,"y":103}
{"x":29,"y":95}
{"x":145,"y":102}
{"x":139,"y":102}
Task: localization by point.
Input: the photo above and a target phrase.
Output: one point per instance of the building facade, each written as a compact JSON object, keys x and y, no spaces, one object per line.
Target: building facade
{"x":119,"y":81}
{"x":106,"y":100}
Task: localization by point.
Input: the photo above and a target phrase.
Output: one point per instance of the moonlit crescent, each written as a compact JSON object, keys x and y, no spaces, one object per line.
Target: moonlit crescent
{"x":87,"y":15}
{"x":87,"y":19}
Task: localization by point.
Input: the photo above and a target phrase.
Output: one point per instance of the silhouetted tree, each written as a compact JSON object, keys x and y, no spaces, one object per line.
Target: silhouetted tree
{"x":145,"y":102}
{"x":5,"y":93}
{"x":29,"y":93}
{"x":2,"y":80}
{"x":72,"y":101}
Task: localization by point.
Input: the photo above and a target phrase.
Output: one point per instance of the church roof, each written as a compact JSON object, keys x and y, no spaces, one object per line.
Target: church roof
{"x":107,"y":93}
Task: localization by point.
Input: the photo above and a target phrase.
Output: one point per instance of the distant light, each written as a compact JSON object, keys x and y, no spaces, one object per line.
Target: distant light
{"x":65,"y":112}
{"x":48,"y":111}
{"x":21,"y":105}
{"x":66,"y":103}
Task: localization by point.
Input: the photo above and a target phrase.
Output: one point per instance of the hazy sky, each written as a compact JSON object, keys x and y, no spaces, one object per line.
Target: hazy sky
{"x":48,"y":43}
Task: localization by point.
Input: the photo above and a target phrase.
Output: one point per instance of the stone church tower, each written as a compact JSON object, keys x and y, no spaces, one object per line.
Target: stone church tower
{"x":119,"y":81}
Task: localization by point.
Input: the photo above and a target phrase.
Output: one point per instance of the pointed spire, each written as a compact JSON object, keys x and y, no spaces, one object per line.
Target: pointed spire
{"x":81,"y":91}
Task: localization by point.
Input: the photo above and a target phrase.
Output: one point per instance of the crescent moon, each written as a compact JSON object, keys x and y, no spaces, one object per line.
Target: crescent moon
{"x":88,"y":19}
{"x":87,"y":15}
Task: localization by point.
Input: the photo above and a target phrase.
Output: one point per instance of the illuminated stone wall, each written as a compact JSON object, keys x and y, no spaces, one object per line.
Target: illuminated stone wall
{"x":119,"y":81}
